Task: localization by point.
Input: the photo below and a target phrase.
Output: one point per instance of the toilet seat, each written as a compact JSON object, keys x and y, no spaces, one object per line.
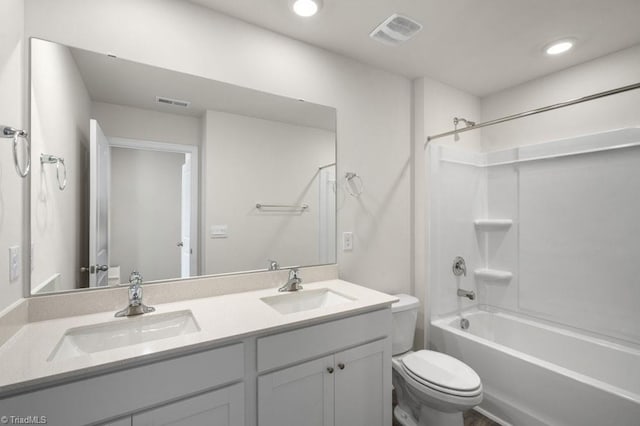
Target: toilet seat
{"x":442,"y":373}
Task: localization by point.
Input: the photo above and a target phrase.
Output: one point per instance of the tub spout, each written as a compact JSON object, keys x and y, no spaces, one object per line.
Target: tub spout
{"x":471,"y":295}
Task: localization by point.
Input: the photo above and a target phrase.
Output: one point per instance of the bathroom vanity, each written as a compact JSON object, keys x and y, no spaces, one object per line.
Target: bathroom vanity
{"x":253,"y":358}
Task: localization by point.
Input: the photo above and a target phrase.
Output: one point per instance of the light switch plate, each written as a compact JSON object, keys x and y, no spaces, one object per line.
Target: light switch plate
{"x":219,"y":231}
{"x":14,"y":263}
{"x":347,"y":241}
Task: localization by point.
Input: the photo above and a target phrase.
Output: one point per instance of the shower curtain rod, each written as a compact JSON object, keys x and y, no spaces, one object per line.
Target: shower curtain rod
{"x":536,"y":111}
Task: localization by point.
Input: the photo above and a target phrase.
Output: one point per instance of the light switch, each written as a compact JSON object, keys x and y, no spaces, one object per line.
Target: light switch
{"x":218,"y":231}
{"x":347,"y":241}
{"x":14,"y":263}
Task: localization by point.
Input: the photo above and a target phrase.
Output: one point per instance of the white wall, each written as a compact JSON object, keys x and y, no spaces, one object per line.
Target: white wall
{"x":12,"y":81}
{"x":435,"y":105}
{"x":250,"y":160}
{"x":608,"y":72}
{"x":143,"y":124}
{"x":373,"y":106}
{"x":60,"y":108}
{"x":146,"y":191}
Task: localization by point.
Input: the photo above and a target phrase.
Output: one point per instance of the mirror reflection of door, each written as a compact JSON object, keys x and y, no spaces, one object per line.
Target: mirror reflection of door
{"x":185,"y":220}
{"x":151,"y":209}
{"x":326,"y":215}
{"x":100,"y":165}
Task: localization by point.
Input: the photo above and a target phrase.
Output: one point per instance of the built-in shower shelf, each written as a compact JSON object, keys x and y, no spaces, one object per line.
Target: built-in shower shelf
{"x":492,"y":274}
{"x":492,"y":224}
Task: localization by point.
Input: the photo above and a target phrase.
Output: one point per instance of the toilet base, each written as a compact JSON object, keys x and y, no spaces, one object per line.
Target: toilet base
{"x":428,"y":417}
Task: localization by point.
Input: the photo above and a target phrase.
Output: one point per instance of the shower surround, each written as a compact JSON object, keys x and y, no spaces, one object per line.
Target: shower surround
{"x":550,"y":234}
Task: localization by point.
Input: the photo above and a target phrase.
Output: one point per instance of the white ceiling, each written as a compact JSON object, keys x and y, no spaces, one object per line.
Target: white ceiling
{"x":122,"y":82}
{"x":480,"y":46}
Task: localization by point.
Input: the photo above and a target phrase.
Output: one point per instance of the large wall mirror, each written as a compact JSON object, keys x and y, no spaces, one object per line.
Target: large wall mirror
{"x":141,"y":168}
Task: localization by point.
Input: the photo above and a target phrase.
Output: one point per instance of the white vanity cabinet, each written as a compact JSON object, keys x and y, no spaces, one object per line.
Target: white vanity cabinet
{"x":349,"y":387}
{"x":332,"y":373}
{"x":298,"y":395}
{"x":168,"y":384}
{"x":222,"y":407}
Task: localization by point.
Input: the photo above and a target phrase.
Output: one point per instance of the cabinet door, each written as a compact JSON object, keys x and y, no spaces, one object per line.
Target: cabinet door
{"x":362,"y":385}
{"x":222,"y":407}
{"x":301,"y":395}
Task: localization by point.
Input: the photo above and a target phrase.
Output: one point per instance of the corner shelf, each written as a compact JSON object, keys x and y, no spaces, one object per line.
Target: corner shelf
{"x":492,"y":274}
{"x":492,"y":224}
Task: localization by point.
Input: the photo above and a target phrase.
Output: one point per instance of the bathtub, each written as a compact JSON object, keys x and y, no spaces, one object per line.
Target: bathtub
{"x":537,"y":374}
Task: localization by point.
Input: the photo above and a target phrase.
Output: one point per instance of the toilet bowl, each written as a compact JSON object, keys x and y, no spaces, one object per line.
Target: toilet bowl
{"x":432,"y":388}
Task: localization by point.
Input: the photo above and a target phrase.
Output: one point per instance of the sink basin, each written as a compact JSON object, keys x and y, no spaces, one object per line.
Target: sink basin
{"x":305,"y":300}
{"x":119,"y":333}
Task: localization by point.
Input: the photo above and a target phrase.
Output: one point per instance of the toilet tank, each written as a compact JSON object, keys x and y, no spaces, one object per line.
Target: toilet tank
{"x":405,"y":314}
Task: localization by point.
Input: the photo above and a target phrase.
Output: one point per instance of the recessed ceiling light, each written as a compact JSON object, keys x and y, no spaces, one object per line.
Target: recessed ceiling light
{"x":559,"y":47}
{"x":306,"y":8}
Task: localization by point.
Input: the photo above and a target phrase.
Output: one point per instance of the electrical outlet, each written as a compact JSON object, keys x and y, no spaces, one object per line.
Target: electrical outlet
{"x":347,"y":241}
{"x":14,"y":263}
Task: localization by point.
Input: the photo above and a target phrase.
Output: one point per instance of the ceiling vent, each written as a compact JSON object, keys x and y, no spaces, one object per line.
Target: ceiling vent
{"x":174,"y":102}
{"x":395,"y":30}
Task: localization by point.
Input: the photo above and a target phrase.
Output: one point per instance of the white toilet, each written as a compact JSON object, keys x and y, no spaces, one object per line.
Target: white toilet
{"x":432,"y":388}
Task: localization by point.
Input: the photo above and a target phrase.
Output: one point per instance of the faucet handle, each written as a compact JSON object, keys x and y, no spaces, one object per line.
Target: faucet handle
{"x":459,"y":266}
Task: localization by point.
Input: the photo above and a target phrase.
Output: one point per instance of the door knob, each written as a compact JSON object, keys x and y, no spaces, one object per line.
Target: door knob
{"x":102,"y":268}
{"x":180,"y":244}
{"x":84,"y":269}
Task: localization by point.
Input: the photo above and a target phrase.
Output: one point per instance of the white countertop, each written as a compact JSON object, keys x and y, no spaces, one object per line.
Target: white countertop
{"x":222,"y":319}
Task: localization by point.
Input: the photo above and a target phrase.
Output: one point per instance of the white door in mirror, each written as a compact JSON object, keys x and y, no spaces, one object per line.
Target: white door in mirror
{"x":14,"y":263}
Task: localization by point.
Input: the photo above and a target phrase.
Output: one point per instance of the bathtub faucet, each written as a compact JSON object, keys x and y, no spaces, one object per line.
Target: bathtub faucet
{"x":471,"y":295}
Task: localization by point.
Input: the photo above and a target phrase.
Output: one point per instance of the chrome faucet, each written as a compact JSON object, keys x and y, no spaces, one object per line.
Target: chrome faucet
{"x":136,"y":307}
{"x":293,"y":283}
{"x":471,"y":295}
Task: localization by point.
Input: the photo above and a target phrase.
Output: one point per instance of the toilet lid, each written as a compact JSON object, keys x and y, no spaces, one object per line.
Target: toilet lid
{"x":442,"y":370}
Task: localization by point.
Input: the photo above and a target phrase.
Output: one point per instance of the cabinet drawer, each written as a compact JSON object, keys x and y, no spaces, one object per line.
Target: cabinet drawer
{"x":310,"y":342}
{"x":130,"y":390}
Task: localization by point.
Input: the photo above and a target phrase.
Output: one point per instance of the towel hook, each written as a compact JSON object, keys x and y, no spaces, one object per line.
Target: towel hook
{"x":9,"y":132}
{"x":52,"y":159}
